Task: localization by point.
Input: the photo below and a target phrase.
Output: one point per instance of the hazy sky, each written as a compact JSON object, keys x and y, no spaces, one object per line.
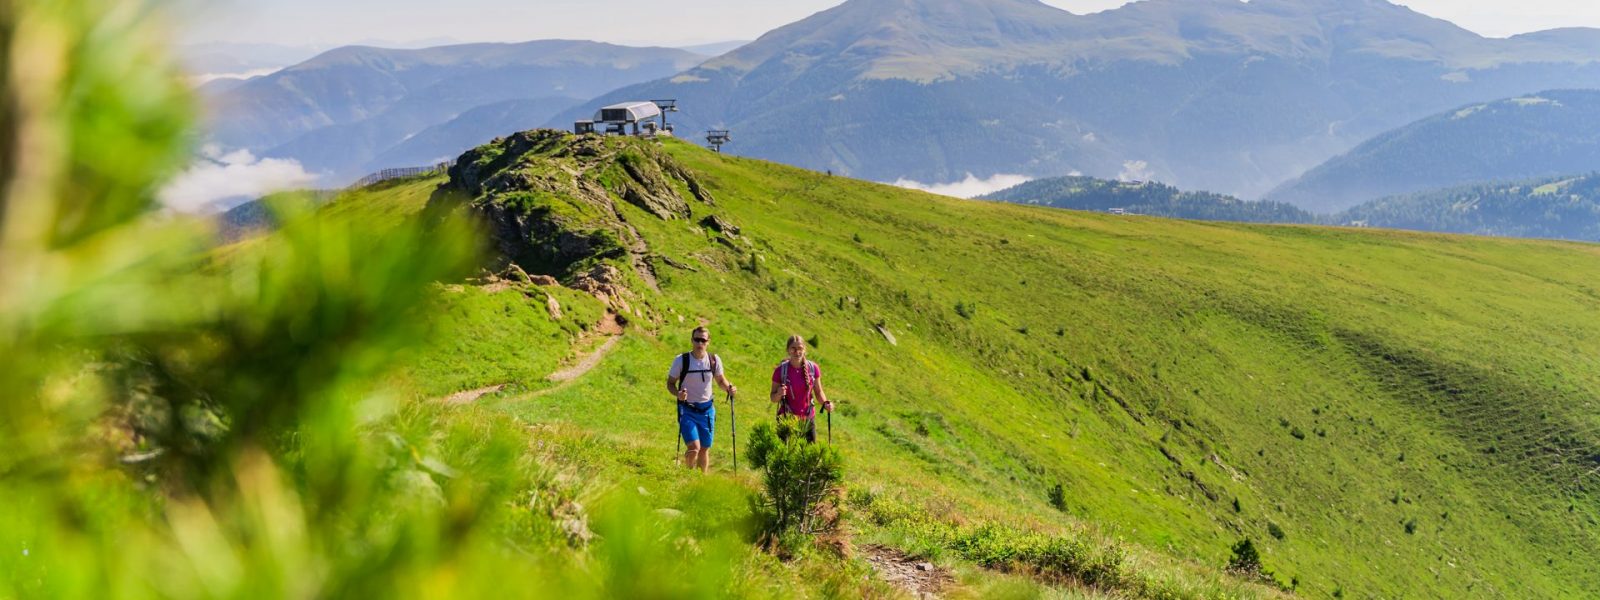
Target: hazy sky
{"x":659,"y":22}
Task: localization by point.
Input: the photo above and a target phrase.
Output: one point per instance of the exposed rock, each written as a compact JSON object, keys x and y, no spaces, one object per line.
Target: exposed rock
{"x":605,"y":283}
{"x":554,"y":307}
{"x":717,"y":223}
{"x":887,"y":335}
{"x":919,"y":579}
{"x":515,"y":273}
{"x":574,"y":522}
{"x":647,"y":188}
{"x":675,"y":263}
{"x":544,"y":281}
{"x":700,"y":192}
{"x":549,"y":199}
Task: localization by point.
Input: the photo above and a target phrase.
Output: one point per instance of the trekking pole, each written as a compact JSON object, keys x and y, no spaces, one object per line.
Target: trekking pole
{"x":733,"y":425}
{"x":677,"y":452}
{"x":830,"y":427}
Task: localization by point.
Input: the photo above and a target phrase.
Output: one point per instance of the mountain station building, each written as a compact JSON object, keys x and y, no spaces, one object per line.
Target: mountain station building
{"x":644,"y":117}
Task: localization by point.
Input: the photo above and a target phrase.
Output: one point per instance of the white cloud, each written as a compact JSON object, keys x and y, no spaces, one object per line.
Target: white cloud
{"x":204,"y":78}
{"x":1136,"y":170}
{"x":220,"y":179}
{"x":970,"y":187}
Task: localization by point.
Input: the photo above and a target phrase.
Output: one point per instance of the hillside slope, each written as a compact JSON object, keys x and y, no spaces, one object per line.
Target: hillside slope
{"x":1554,"y":207}
{"x":1546,"y":134}
{"x":1147,"y":198}
{"x":1564,"y":207}
{"x":1384,"y":414}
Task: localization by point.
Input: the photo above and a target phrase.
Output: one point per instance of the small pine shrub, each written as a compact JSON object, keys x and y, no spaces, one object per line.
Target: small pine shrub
{"x":1058,"y":497}
{"x":1236,"y":506}
{"x":1246,"y":560}
{"x":815,"y":341}
{"x":965,"y":310}
{"x":1275,"y":530}
{"x":857,"y":239}
{"x":1411,"y":526}
{"x":800,"y":479}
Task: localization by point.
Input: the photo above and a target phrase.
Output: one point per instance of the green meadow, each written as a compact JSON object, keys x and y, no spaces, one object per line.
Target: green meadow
{"x":370,"y":401}
{"x":1383,"y":414}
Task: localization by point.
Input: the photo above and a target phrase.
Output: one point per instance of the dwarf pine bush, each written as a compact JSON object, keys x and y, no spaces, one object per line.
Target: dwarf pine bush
{"x":800,"y":478}
{"x":1058,"y":497}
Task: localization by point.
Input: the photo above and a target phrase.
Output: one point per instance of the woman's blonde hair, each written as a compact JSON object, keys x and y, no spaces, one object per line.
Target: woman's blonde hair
{"x":795,"y":340}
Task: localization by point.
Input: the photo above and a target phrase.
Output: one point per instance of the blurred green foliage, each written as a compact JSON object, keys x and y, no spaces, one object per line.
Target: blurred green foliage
{"x":181,"y":422}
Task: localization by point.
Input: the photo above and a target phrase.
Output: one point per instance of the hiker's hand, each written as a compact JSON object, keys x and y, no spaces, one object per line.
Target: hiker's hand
{"x":827,"y":405}
{"x":683,"y":394}
{"x":733,"y":390}
{"x":785,"y":392}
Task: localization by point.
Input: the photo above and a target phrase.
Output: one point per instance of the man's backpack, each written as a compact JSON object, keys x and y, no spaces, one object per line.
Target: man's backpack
{"x":812,"y":374}
{"x":705,"y":374}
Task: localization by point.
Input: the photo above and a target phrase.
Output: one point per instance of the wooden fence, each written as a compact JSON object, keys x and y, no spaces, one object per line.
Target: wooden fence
{"x":399,"y":173}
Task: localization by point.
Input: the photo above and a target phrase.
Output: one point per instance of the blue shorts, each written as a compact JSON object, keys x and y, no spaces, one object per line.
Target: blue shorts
{"x":696,"y":425}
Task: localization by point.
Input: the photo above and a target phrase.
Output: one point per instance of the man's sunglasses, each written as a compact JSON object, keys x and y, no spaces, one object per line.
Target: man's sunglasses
{"x":702,"y":340}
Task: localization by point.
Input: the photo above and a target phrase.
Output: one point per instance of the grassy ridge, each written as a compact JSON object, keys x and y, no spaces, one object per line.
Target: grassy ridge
{"x":1385,"y":414}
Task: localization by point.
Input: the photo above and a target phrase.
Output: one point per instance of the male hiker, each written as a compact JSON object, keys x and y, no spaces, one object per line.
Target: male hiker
{"x":794,"y":383}
{"x":689,"y":380}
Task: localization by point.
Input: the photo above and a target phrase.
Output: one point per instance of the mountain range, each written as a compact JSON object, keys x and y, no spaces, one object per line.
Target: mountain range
{"x":1214,"y":94}
{"x":1548,"y":134}
{"x":1565,"y":207}
{"x":341,"y":112}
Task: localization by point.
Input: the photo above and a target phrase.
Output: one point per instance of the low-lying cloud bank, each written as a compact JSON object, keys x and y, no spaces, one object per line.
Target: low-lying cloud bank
{"x":204,"y":78}
{"x":971,"y":187}
{"x":220,"y":180}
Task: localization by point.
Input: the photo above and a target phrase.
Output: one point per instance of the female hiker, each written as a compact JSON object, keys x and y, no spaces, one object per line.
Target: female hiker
{"x":689,"y":380}
{"x":795,"y":383}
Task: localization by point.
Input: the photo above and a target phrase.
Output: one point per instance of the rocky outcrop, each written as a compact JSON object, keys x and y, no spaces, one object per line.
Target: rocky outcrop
{"x":550,"y":201}
{"x":604,"y":282}
{"x":720,"y":225}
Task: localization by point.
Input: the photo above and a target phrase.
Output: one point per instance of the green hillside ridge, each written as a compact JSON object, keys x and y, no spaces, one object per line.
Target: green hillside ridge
{"x":1383,"y":414}
{"x":1147,"y":198}
{"x":1545,"y":134}
{"x":1562,"y":207}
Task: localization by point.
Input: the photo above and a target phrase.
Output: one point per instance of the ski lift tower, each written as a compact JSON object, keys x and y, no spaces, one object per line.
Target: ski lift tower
{"x":669,"y":105}
{"x":717,"y":137}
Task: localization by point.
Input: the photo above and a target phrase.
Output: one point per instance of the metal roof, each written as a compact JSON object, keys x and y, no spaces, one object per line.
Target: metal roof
{"x":627,"y":112}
